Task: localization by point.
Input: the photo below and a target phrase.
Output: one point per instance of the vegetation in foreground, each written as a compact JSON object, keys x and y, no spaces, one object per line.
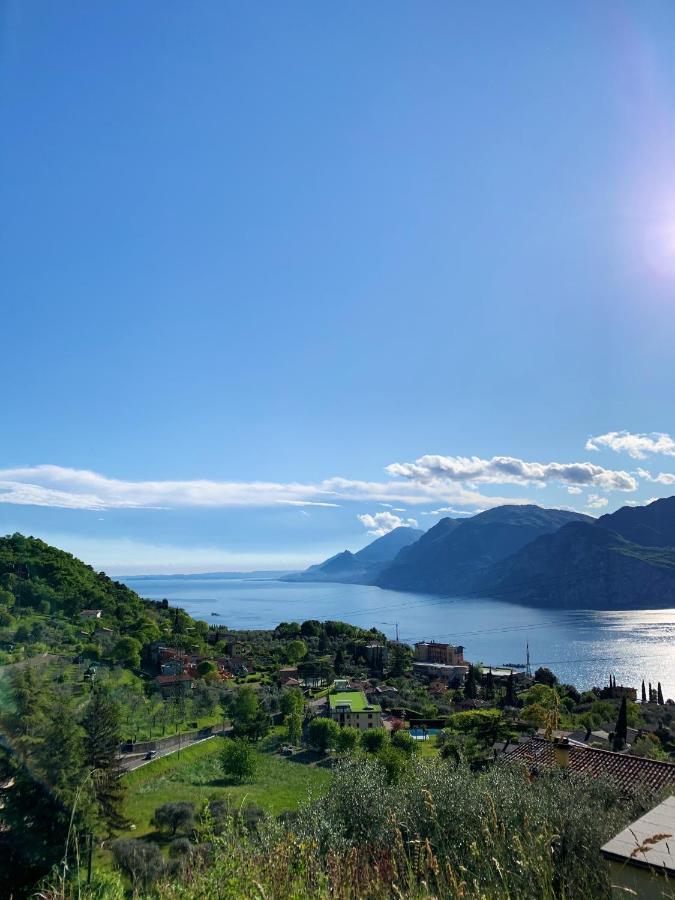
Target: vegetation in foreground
{"x":439,"y":830}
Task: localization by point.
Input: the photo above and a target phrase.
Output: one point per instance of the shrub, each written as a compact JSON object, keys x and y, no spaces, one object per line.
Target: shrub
{"x":140,"y":861}
{"x":374,"y":740}
{"x":238,"y":760}
{"x":347,"y":739}
{"x":323,"y":734}
{"x":404,"y":741}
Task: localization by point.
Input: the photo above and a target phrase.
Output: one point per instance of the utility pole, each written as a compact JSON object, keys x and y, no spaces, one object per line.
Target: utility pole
{"x":528,"y":668}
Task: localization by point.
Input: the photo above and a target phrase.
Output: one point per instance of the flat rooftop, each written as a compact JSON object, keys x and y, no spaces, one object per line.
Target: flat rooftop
{"x":647,"y":842}
{"x":356,"y":700}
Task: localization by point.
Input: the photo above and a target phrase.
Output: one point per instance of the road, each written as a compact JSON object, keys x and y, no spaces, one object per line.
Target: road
{"x":130,"y":761}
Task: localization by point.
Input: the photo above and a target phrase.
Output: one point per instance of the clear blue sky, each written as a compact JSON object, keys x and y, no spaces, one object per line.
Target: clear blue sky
{"x":285,"y":243}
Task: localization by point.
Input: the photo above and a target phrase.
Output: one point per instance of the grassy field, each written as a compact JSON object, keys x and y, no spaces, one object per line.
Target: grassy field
{"x":280,"y":784}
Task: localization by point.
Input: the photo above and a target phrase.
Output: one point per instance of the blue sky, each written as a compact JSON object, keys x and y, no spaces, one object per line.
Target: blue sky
{"x":254,"y":254}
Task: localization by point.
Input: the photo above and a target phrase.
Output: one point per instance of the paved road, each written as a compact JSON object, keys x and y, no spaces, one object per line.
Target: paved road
{"x":129,"y":761}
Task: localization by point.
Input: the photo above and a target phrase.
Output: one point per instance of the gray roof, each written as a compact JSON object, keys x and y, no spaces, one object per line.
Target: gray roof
{"x":650,"y":841}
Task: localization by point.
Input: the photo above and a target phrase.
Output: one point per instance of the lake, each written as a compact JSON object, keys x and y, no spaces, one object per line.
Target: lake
{"x":582,"y":647}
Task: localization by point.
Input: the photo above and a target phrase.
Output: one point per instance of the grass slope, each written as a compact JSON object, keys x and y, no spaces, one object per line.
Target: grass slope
{"x":280,"y":784}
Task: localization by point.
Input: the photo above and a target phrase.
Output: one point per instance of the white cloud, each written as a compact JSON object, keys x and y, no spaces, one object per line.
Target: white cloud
{"x":384,"y":522}
{"x":572,"y":489}
{"x":67,"y":488}
{"x":433,"y":469}
{"x":661,"y":478}
{"x":636,"y":446}
{"x":595,"y":501}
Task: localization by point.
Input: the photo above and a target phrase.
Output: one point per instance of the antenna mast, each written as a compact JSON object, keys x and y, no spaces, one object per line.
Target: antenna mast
{"x":528,"y":668}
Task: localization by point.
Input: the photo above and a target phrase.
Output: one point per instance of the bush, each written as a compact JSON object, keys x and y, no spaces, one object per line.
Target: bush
{"x":174,"y":816}
{"x":140,"y":861}
{"x":347,"y":739}
{"x":180,"y":848}
{"x":404,"y":741}
{"x":238,"y":760}
{"x":374,"y":740}
{"x":324,"y":734}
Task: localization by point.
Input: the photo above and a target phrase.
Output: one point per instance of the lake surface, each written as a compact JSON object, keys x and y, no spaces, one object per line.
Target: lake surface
{"x":582,"y":647}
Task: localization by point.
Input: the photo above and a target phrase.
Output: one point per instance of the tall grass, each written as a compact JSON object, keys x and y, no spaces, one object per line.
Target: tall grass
{"x":442,"y":831}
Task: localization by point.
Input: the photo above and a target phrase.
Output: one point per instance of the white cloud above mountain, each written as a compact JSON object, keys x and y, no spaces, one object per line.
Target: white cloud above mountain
{"x":637,"y":446}
{"x":68,"y":488}
{"x":661,"y":478}
{"x":510,"y":470}
{"x":382,"y":523}
{"x":595,"y":501}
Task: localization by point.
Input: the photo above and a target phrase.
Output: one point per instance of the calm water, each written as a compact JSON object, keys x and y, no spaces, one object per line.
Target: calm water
{"x":581,"y":647}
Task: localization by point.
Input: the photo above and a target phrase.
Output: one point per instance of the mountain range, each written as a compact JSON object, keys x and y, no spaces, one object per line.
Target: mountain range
{"x":362,"y":567}
{"x":526,"y":554}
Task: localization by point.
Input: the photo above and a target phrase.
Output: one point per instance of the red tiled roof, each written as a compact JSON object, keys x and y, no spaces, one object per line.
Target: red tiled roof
{"x":170,"y":679}
{"x":626,"y":770}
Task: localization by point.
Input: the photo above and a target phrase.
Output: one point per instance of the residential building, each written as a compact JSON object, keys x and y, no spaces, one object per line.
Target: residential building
{"x":174,"y":685}
{"x":91,"y":613}
{"x":288,"y":673}
{"x":449,"y":674}
{"x":641,"y":859}
{"x":539,"y":754}
{"x":431,"y":652}
{"x":352,"y":708}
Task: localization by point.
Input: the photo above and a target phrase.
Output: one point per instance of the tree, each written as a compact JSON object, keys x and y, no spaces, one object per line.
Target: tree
{"x":393,"y":760}
{"x":296,"y":650}
{"x":249,"y":719}
{"x":510,"y":696}
{"x":293,"y":723}
{"x":644,"y":692}
{"x":339,"y":661}
{"x":471,"y":684}
{"x":292,"y":701}
{"x":323,"y":734}
{"x":374,"y":740}
{"x":545,"y":676}
{"x":659,"y":694}
{"x":347,"y":739}
{"x":238,"y":760}
{"x":621,"y":729}
{"x":405,"y":742}
{"x":398,"y":660}
{"x":489,"y":685}
{"x":173,"y":817}
{"x":127,"y":652}
{"x":142,"y":862}
{"x":206,"y":667}
{"x":102,"y":740}
{"x":61,"y":755}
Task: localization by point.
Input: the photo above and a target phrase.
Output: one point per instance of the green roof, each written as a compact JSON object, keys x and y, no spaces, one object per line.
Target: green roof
{"x":357,"y":701}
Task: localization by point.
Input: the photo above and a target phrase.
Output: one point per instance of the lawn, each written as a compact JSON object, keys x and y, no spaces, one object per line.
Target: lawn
{"x":279,"y":785}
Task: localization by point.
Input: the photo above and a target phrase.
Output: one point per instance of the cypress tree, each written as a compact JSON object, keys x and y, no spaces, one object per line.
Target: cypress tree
{"x":102,"y":740}
{"x":471,"y":688}
{"x":621,"y":730}
{"x":510,"y":698}
{"x":659,"y":694}
{"x":644,"y":692}
{"x":651,"y":693}
{"x":489,"y":685}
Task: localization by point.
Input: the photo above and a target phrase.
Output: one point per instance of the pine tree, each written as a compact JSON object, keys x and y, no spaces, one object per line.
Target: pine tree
{"x":61,"y":755}
{"x":644,"y":692}
{"x":659,"y":694}
{"x":621,"y":729}
{"x":102,"y":739}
